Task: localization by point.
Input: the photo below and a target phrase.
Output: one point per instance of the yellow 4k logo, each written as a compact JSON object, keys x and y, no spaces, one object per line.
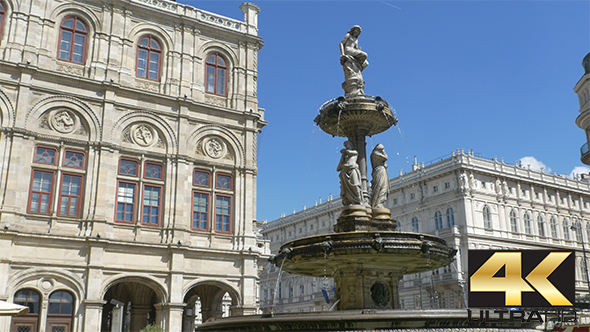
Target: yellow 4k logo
{"x":512,"y":284}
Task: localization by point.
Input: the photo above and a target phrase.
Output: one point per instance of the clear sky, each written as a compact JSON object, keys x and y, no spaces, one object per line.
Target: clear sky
{"x":495,"y":77}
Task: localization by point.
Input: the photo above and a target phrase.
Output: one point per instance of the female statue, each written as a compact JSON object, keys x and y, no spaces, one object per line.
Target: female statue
{"x":380,"y":181}
{"x":350,"y":176}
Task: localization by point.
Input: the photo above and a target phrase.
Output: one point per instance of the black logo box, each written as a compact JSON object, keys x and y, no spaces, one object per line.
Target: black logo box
{"x":563,"y":278}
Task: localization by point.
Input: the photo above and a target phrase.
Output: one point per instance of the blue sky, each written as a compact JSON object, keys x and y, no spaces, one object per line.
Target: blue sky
{"x":495,"y":77}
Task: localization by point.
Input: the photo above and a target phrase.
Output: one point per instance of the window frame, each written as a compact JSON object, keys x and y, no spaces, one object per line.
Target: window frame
{"x":160,"y":199}
{"x":2,"y":15}
{"x":231,"y":181}
{"x":230,"y":220}
{"x":527,"y":224}
{"x":438,"y":221}
{"x":415,"y":225}
{"x":208,"y":212}
{"x":450,"y":214}
{"x":149,"y":50}
{"x":137,"y":163}
{"x":215,"y":67}
{"x":134,"y":204}
{"x":56,"y":156}
{"x":513,"y":216}
{"x":208,"y":179}
{"x":60,"y":195}
{"x":541,"y":226}
{"x":63,"y":163}
{"x":50,"y":192}
{"x":487,"y":218}
{"x":74,"y":32}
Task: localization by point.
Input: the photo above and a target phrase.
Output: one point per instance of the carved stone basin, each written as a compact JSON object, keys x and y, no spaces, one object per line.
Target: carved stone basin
{"x":355,"y":115}
{"x":367,"y":266}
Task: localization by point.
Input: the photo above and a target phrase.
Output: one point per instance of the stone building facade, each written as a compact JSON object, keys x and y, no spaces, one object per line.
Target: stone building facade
{"x":472,"y":203}
{"x":128,"y":164}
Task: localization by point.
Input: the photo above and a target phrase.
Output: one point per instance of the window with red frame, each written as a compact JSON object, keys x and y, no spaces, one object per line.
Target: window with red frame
{"x":149,"y":55}
{"x":44,"y":173}
{"x":216,"y":80}
{"x":73,"y":36}
{"x":131,"y":178}
{"x":2,"y":14}
{"x":205,"y":198}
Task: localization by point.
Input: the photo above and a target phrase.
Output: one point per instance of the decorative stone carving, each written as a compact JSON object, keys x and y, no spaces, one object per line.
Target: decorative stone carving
{"x":380,"y":180}
{"x":68,"y":69}
{"x":147,"y":86}
{"x":380,"y":294}
{"x":214,"y":100}
{"x":350,"y":176}
{"x":63,"y":121}
{"x":214,"y":147}
{"x":353,"y":61}
{"x":143,"y":135}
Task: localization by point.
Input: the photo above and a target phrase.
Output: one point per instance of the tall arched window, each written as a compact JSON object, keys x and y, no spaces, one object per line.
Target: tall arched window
{"x":149,"y":57}
{"x":553,"y":225}
{"x":27,"y":323}
{"x":450,"y":217}
{"x":577,"y":227}
{"x":2,"y":14}
{"x":566,"y":229}
{"x":415,"y":227}
{"x":513,"y":221}
{"x":541,"y":225}
{"x":73,"y":35}
{"x":527,"y":224}
{"x":438,"y":223}
{"x":60,"y":311}
{"x":487,"y":217}
{"x":216,"y":81}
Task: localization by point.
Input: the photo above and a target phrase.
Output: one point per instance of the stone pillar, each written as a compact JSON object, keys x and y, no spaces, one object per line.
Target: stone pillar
{"x":92,"y":315}
{"x":174,"y":323}
{"x":367,"y":287}
{"x":139,"y":314}
{"x":117,"y":317}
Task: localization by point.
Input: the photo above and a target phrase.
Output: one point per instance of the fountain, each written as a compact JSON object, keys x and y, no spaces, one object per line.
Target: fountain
{"x":365,"y":254}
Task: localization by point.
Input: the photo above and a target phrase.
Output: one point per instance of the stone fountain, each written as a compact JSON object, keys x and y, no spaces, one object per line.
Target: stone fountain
{"x":365,"y":255}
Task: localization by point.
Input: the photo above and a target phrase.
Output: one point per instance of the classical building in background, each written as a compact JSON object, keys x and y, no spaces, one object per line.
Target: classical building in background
{"x":128,"y":164}
{"x":470,"y":202}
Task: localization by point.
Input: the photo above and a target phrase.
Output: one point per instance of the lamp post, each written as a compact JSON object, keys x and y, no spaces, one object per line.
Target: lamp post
{"x":575,"y":229}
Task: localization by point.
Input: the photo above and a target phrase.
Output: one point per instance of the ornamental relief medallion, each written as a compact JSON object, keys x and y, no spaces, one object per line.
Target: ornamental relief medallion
{"x":214,"y":147}
{"x":63,"y":121}
{"x":143,"y":135}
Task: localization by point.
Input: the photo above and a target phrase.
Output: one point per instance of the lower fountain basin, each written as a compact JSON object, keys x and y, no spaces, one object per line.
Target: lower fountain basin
{"x":448,"y":320}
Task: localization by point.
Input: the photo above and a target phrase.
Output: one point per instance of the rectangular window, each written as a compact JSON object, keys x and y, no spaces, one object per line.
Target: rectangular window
{"x":69,"y":195}
{"x":200,"y":211}
{"x":222,"y":213}
{"x":45,"y":155}
{"x":152,"y":196}
{"x":128,"y":167}
{"x":152,"y":171}
{"x":73,"y":159}
{"x":201,"y":178}
{"x":41,"y":192}
{"x":126,"y":201}
{"x":223,"y":182}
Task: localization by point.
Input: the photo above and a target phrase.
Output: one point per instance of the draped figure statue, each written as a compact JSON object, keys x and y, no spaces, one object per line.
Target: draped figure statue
{"x":380,"y":180}
{"x":350,"y":176}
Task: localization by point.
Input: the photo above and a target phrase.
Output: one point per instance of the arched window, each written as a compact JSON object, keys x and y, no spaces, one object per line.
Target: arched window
{"x":438,"y":223}
{"x":450,"y":217}
{"x":577,"y":227}
{"x":31,"y":299}
{"x":73,"y":35}
{"x":2,"y":14}
{"x":566,"y":229}
{"x":527,"y":224}
{"x":415,"y":227}
{"x":487,"y":218}
{"x":60,"y":311}
{"x":513,"y":221}
{"x":553,"y":225}
{"x":541,"y":225}
{"x":149,"y":56}
{"x":216,"y":81}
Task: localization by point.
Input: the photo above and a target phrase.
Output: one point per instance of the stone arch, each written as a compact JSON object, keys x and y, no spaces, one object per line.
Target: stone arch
{"x":46,"y":281}
{"x":149,"y":281}
{"x":142,"y":29}
{"x":10,"y":7}
{"x":215,"y":46}
{"x":210,"y":293}
{"x":225,"y":134}
{"x":72,"y":8}
{"x":70,"y":103}
{"x":7,"y":115}
{"x":168,"y":136}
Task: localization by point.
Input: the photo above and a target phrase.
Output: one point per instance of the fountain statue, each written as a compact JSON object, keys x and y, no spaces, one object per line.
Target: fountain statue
{"x":366,"y":255}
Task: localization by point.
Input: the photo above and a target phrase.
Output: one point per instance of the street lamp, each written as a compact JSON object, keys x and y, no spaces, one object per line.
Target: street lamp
{"x":575,"y":229}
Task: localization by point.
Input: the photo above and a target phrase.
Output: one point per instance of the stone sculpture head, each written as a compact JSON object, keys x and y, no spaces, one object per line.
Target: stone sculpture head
{"x":355,"y":30}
